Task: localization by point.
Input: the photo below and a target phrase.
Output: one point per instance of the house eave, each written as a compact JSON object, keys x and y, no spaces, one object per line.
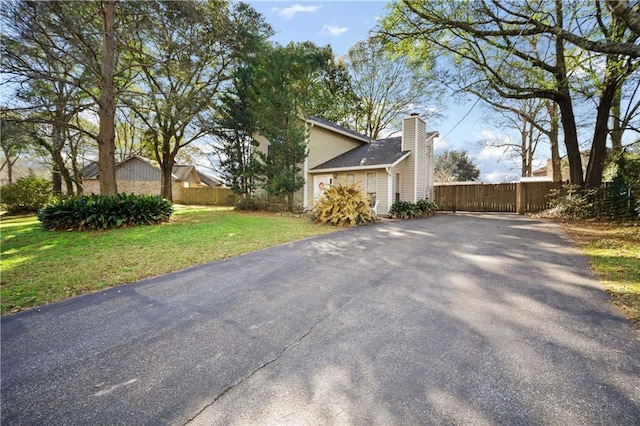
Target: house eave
{"x":355,"y":168}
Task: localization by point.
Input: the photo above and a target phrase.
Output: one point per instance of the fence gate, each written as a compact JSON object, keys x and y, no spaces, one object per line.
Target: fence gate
{"x":523,"y":197}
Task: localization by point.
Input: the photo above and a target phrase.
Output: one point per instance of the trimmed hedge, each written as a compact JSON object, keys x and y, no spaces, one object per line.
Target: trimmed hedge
{"x":409,"y":210}
{"x":99,"y":212}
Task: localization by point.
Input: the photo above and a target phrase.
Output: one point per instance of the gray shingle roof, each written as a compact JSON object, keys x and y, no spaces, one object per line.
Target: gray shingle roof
{"x":381,"y":153}
{"x":91,"y":170}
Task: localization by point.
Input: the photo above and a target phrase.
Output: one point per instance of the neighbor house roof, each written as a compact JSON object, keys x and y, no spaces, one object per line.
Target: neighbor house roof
{"x":182,"y":172}
{"x":209,"y":180}
{"x":91,"y":170}
{"x":179,"y":172}
{"x":375,"y":154}
{"x":319,"y":121}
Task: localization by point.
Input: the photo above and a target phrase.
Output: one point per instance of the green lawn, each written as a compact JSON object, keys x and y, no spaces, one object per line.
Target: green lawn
{"x":39,"y":267}
{"x":613,"y":251}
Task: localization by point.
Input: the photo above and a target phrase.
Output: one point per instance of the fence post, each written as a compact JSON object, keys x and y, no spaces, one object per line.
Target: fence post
{"x":455,"y":198}
{"x":520,"y":198}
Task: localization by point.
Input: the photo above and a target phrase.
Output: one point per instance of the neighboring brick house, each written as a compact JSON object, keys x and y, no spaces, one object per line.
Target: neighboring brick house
{"x":389,"y":170}
{"x":139,"y":175}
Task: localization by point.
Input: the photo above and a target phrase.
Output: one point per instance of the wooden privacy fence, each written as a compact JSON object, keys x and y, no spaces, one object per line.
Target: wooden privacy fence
{"x":522,"y":197}
{"x":207,"y":196}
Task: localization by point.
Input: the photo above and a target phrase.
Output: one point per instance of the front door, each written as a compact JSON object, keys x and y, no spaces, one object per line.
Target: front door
{"x":320,"y":184}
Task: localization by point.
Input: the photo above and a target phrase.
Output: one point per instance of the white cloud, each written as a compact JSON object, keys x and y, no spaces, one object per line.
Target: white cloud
{"x":289,"y":12}
{"x":440,"y":143}
{"x":333,"y":30}
{"x":492,"y":152}
{"x":498,"y":177}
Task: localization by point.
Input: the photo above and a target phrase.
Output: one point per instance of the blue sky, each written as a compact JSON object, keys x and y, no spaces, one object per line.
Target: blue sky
{"x":343,"y":23}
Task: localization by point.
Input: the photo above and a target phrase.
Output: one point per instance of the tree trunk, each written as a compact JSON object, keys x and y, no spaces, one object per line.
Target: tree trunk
{"x":166,"y":164}
{"x":57,"y":142}
{"x":616,"y":122}
{"x":523,"y":147}
{"x":166,"y":189}
{"x":556,"y":162}
{"x":107,"y":106}
{"x":567,"y":117}
{"x":598,"y":155}
{"x":9,"y":170}
{"x":568,"y":120}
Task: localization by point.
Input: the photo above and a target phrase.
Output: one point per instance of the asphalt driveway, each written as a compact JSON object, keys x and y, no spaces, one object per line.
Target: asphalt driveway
{"x":454,"y":319}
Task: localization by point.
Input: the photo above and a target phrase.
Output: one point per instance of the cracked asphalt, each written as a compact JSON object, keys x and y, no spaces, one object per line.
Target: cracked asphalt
{"x":456,"y":319}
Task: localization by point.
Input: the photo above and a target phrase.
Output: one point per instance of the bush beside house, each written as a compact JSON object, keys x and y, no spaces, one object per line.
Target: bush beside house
{"x":27,"y":195}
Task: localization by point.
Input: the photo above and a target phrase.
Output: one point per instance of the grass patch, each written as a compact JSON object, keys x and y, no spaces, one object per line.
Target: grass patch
{"x":40,"y":267}
{"x":613,"y":251}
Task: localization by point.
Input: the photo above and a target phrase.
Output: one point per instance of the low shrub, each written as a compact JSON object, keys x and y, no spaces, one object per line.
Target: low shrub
{"x":255,"y":203}
{"x":343,"y":205}
{"x":99,"y":212}
{"x":27,"y":195}
{"x":409,"y":210}
{"x":611,"y":201}
{"x":426,"y":207}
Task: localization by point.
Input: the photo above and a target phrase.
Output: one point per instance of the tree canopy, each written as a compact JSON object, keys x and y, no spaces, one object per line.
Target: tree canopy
{"x":522,"y":50}
{"x":455,"y":165}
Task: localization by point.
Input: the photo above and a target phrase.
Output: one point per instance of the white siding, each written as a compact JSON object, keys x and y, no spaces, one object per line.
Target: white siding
{"x":263,"y":143}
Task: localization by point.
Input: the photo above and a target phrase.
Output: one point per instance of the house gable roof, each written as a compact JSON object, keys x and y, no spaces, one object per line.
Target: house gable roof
{"x":182,"y":172}
{"x":375,"y":154}
{"x":209,"y":180}
{"x":321,"y":122}
{"x":91,"y":170}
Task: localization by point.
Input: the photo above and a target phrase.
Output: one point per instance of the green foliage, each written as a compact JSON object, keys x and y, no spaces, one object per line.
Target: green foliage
{"x":100,"y":212}
{"x":455,"y":165}
{"x":426,"y":207}
{"x":343,"y":205}
{"x":611,"y":201}
{"x":235,"y":146}
{"x":628,"y":172}
{"x":27,"y":195}
{"x":289,"y":81}
{"x":616,"y":199}
{"x":257,"y":203}
{"x":409,"y":210}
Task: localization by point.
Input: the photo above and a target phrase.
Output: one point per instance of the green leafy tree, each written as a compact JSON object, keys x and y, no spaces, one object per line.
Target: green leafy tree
{"x":236,"y":120}
{"x":455,"y":165}
{"x":285,"y":79}
{"x":62,"y":59}
{"x":15,"y":139}
{"x":185,"y":54}
{"x":235,"y":146}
